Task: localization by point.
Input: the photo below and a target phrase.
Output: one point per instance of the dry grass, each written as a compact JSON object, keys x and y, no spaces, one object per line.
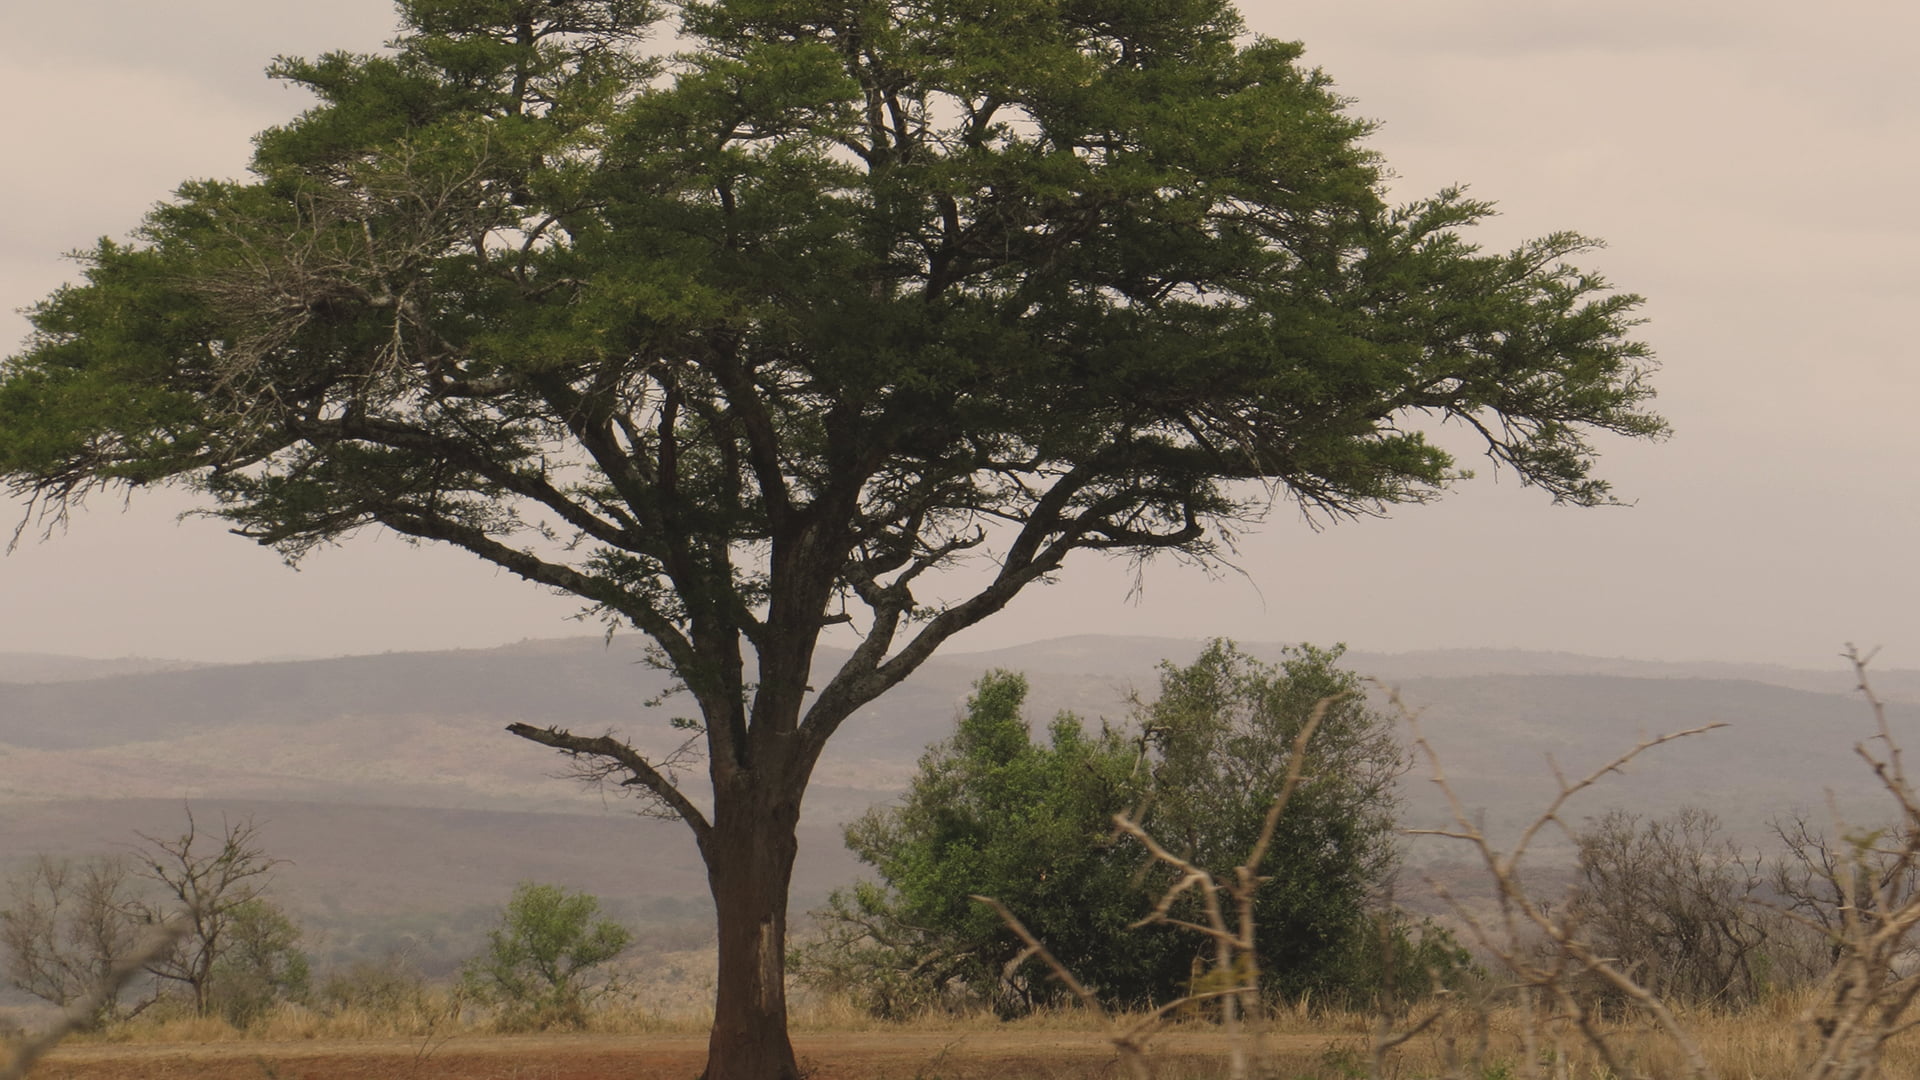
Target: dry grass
{"x":1763,"y":1043}
{"x":1302,"y":1043}
{"x":1766,"y":1042}
{"x":1536,"y":1027}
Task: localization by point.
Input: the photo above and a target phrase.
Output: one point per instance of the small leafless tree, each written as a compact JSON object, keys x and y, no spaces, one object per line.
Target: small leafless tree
{"x":21,"y":1055}
{"x":65,"y":925}
{"x":1543,"y":946}
{"x":212,"y":885}
{"x":1820,"y":877}
{"x":1684,"y":906}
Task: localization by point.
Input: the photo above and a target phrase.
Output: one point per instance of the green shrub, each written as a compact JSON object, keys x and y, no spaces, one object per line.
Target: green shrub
{"x":995,"y":811}
{"x":542,"y":964}
{"x":259,"y":965}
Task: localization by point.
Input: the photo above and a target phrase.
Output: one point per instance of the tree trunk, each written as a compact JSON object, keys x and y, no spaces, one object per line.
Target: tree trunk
{"x":749,"y":858}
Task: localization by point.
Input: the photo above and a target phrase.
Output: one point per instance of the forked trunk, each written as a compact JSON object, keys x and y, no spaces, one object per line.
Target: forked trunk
{"x":749,"y":865}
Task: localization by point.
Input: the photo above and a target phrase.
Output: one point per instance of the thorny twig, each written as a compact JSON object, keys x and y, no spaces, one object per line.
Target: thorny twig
{"x":1233,"y":947}
{"x":1546,"y":980}
{"x":1864,"y":1000}
{"x":1132,"y":1049}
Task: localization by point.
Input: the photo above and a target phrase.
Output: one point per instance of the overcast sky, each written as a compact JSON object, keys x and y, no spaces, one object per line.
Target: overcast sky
{"x":1749,"y":165}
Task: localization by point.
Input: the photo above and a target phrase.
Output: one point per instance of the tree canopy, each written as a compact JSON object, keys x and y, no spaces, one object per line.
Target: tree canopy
{"x":742,"y":341}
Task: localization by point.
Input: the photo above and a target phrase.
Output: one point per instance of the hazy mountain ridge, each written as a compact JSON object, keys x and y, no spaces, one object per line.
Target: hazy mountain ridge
{"x":1781,"y":750}
{"x":350,"y":756}
{"x":17,"y":667}
{"x":1101,"y":654}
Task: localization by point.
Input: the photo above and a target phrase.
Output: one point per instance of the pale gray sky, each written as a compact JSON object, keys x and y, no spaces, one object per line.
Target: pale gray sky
{"x":1745,"y":162}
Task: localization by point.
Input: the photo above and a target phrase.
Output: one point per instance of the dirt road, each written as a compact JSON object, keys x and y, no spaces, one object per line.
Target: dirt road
{"x":850,"y":1056}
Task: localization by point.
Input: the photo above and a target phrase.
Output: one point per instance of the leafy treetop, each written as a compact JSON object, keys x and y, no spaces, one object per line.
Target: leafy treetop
{"x":745,"y":340}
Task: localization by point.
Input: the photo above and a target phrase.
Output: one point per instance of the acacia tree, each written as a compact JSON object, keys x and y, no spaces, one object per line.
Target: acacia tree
{"x":747,"y":342}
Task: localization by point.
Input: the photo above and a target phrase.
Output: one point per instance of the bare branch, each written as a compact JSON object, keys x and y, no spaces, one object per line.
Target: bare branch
{"x":642,"y":772}
{"x":1545,"y":978}
{"x":209,"y":887}
{"x":1132,"y":1049}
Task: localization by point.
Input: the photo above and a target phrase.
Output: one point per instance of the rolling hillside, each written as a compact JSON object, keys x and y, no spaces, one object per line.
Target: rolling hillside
{"x":391,"y":788}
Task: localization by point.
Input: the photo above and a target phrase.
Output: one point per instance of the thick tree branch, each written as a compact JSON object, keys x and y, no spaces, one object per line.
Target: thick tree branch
{"x":457,"y":452}
{"x":623,"y":754}
{"x":590,"y":419}
{"x":749,"y":407}
{"x":1029,"y":558}
{"x":414,"y":521}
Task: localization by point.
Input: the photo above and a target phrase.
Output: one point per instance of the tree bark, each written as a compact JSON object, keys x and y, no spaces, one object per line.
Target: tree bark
{"x":749,"y":857}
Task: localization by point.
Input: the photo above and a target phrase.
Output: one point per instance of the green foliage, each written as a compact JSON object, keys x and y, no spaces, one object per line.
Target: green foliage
{"x":994,"y":812}
{"x":846,"y":281}
{"x":261,"y":963}
{"x":541,"y":965}
{"x":834,"y":297}
{"x":1409,"y":962}
{"x":1223,"y":727}
{"x":991,"y":811}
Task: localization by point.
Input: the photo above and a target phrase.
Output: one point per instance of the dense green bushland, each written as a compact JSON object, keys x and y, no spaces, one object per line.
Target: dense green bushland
{"x":1030,"y":822}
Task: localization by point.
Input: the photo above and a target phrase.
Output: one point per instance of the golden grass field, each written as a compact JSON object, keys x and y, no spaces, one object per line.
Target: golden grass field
{"x":837,"y":1043}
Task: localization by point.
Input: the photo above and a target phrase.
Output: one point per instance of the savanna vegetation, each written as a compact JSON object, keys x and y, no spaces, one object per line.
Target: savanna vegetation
{"x":67,"y":924}
{"x":1031,"y":824}
{"x":236,"y":958}
{"x":756,"y":336}
{"x":1676,"y":953}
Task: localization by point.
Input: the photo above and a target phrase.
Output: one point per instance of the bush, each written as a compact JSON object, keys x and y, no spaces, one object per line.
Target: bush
{"x":996,"y":812}
{"x":1695,"y":918}
{"x":260,"y":964}
{"x":990,"y":811}
{"x":542,"y":963}
{"x":1222,"y":728}
{"x":64,"y":925}
{"x":382,"y":987}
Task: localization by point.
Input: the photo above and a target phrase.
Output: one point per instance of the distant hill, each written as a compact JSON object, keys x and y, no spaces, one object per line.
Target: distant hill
{"x":45,"y":667}
{"x":1096,"y":654}
{"x":388,"y":781}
